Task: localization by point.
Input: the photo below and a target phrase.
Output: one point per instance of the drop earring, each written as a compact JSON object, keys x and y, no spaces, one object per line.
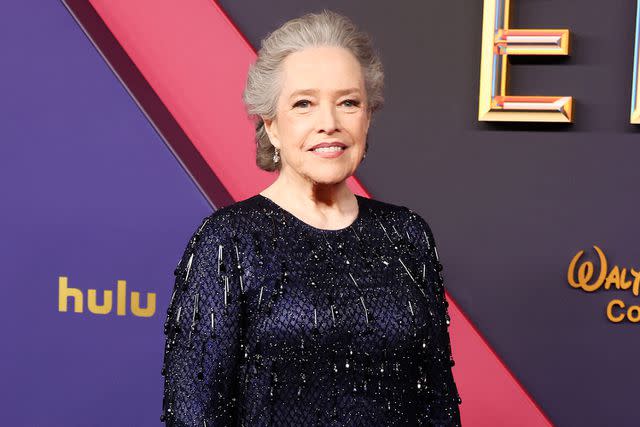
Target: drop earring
{"x":276,"y":156}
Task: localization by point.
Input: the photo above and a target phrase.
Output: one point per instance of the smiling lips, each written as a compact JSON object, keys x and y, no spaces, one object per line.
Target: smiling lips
{"x":328,"y":149}
{"x":329,"y":144}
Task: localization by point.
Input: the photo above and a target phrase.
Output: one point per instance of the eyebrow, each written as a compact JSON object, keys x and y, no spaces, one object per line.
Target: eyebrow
{"x":313,"y":91}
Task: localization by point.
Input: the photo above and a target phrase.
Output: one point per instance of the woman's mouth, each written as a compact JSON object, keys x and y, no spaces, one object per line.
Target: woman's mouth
{"x":328,"y":152}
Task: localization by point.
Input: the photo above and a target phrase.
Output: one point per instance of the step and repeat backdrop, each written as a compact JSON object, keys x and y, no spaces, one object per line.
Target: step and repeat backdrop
{"x":511,"y":126}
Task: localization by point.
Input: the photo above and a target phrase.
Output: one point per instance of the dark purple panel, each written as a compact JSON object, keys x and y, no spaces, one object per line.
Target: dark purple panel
{"x":510,"y":205}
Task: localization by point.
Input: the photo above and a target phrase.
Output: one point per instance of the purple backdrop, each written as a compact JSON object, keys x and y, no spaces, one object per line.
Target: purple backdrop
{"x":90,"y":192}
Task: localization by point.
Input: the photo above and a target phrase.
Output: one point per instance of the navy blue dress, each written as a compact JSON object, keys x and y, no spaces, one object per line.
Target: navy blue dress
{"x":273,"y":322}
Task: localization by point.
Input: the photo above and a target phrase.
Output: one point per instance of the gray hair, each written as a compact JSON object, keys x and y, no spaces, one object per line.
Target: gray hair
{"x":263,"y":86}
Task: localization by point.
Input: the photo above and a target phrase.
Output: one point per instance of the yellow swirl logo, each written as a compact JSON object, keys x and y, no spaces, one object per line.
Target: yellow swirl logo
{"x":583,"y":277}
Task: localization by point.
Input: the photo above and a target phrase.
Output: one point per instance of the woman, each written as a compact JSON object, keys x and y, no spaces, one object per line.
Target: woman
{"x":306,"y":304}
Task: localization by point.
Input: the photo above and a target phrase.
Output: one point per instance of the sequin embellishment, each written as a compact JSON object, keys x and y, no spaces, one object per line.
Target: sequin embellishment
{"x":272,"y":322}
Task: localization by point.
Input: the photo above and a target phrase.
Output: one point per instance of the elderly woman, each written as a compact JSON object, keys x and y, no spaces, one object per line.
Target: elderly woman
{"x":307,"y":305}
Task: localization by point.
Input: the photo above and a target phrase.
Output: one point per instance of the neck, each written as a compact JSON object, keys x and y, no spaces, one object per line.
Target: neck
{"x":302,"y":194}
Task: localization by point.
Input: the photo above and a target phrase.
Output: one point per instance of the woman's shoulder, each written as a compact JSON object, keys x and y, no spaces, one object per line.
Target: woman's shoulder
{"x":396,"y":212}
{"x":404,"y":218}
{"x":230,"y":221}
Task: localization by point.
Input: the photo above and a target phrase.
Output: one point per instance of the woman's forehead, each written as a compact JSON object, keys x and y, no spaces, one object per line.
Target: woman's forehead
{"x":321,"y":58}
{"x":312,"y":71}
{"x":316,"y":91}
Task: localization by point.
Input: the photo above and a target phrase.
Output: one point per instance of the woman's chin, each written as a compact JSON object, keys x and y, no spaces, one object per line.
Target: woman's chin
{"x":329,"y":178}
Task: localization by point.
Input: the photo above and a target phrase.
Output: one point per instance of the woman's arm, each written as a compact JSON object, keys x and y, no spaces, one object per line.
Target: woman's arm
{"x":441,"y":406}
{"x":202,"y":348}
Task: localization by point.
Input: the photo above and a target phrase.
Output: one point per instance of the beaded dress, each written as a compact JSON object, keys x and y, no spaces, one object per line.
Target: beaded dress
{"x":273,"y":322}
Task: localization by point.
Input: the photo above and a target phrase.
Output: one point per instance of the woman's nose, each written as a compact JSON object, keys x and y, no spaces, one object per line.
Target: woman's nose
{"x":327,"y":118}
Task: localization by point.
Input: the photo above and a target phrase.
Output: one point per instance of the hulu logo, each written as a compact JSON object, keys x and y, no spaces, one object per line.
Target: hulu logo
{"x":65,"y":294}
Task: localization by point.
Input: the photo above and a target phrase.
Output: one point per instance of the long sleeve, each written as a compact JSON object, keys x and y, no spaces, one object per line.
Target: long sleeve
{"x":203,"y":331}
{"x":441,"y":406}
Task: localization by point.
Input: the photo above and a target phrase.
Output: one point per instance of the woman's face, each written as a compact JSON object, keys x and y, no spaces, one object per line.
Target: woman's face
{"x":322,"y":99}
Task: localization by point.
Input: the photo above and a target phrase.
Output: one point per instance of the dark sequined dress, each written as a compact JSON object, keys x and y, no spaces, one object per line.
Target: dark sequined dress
{"x":273,"y":322}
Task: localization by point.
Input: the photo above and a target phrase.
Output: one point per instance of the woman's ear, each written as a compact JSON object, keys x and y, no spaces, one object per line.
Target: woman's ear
{"x":271,"y":128}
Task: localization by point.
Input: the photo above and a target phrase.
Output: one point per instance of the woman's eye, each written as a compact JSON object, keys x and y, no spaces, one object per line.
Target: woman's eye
{"x":305,"y":103}
{"x":301,"y":102}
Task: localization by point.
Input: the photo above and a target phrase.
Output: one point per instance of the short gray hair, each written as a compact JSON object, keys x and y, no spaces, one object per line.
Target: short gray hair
{"x":325,"y":28}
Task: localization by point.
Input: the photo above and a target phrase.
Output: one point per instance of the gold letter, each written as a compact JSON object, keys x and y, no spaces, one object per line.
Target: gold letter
{"x":143,"y":312}
{"x":99,"y":309}
{"x":619,"y":318}
{"x":613,"y":278}
{"x":64,"y":292}
{"x":585,"y":272}
{"x":636,"y":281}
{"x":498,"y":42}
{"x":635,"y":318}
{"x":624,"y":283}
{"x":122,"y":297}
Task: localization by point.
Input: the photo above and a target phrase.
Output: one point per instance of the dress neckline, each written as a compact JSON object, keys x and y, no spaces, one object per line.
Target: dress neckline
{"x":311,"y":227}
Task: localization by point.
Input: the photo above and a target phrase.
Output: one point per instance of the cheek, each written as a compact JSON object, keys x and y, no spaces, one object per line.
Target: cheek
{"x":359,"y":126}
{"x":296,"y":130}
